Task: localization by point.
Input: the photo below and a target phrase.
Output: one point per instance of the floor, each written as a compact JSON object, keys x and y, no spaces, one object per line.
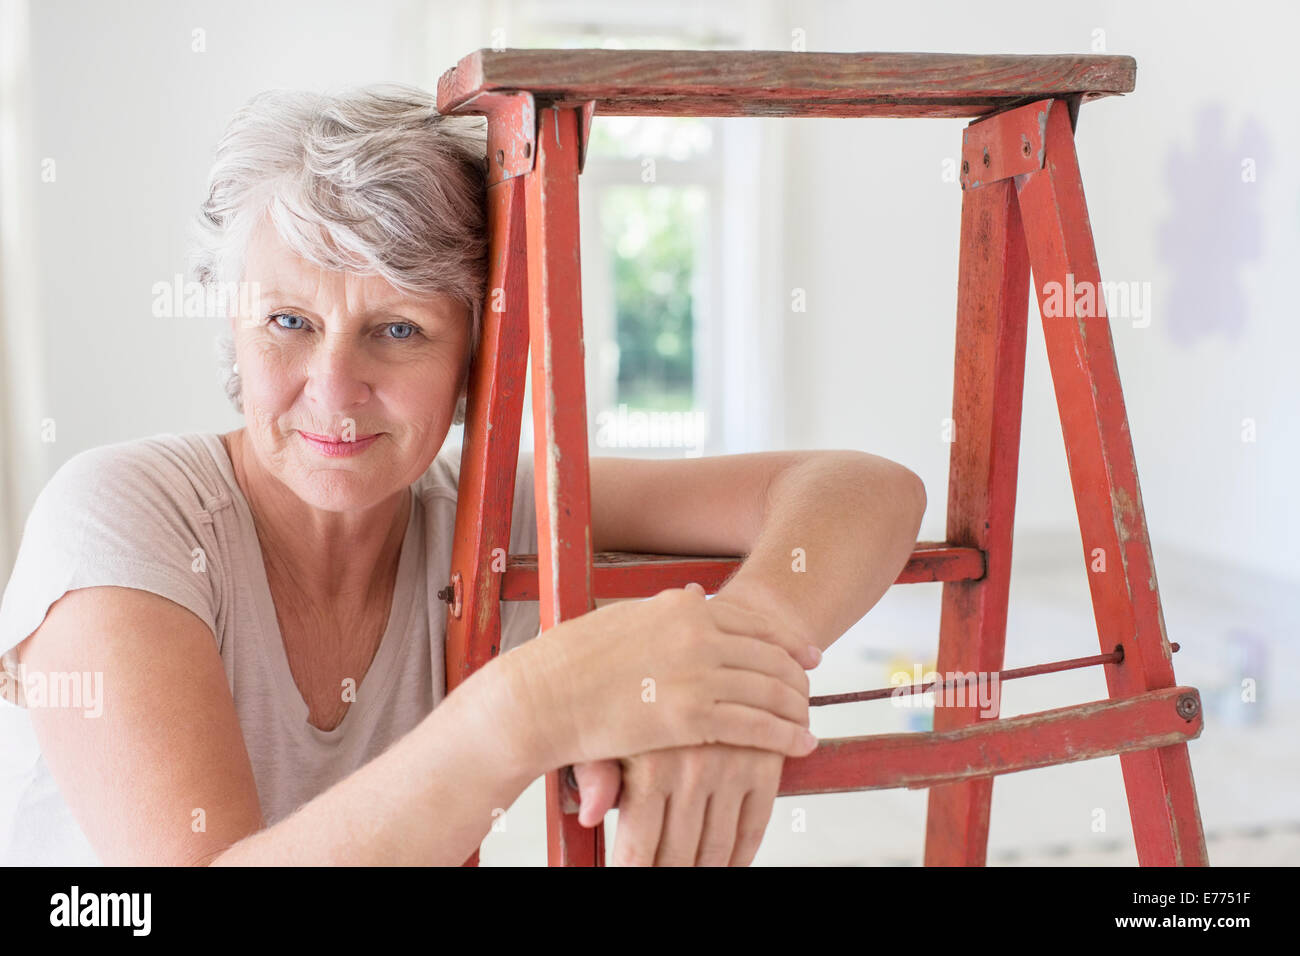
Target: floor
{"x":1233,"y":627}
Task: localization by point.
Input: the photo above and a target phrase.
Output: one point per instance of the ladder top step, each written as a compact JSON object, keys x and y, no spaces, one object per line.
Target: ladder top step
{"x":776,"y":83}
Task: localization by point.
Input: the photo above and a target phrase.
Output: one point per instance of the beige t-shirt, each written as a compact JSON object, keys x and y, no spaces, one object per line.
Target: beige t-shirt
{"x":165,"y":514}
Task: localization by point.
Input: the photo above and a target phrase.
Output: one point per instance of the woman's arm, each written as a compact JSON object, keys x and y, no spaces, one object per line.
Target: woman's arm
{"x":578,"y":692}
{"x":429,"y":799}
{"x":825,"y":534}
{"x":162,"y":776}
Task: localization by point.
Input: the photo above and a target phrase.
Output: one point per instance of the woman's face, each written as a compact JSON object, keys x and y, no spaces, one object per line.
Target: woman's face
{"x":340,"y":356}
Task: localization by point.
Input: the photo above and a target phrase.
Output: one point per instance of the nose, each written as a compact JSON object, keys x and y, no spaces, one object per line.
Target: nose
{"x":337,"y":378}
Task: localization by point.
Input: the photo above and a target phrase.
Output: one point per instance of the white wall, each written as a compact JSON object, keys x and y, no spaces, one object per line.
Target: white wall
{"x":131,"y":116}
{"x":872,"y":234}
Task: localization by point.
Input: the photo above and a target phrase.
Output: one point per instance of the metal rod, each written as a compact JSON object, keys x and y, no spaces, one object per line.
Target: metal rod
{"x":1114,"y":657}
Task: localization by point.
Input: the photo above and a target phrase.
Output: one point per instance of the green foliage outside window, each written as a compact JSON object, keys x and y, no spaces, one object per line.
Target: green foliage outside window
{"x":652,"y":233}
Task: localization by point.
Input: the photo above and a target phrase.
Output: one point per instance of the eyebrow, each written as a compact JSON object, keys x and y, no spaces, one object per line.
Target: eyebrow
{"x":392,"y":307}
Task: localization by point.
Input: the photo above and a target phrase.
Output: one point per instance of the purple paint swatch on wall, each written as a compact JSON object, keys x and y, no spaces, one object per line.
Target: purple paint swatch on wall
{"x":1215,"y":226}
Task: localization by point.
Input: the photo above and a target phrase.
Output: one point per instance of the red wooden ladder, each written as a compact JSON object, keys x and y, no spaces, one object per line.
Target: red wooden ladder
{"x":1022,"y":206}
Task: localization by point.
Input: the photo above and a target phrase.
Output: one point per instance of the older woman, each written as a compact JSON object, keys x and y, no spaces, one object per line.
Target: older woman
{"x":258,"y":609}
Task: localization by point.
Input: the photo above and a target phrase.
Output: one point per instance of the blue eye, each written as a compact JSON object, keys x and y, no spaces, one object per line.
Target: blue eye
{"x":287,"y":315}
{"x":411,"y":330}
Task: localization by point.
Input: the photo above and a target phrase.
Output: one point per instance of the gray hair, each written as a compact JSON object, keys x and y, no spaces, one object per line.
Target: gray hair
{"x":373,"y":180}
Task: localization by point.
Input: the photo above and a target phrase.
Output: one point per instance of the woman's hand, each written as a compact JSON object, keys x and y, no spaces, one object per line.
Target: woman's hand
{"x":664,"y":672}
{"x":689,"y":806}
{"x":706,"y":805}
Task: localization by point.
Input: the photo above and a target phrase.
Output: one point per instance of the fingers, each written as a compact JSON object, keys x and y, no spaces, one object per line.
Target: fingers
{"x":640,"y":822}
{"x":683,"y":824}
{"x":753,"y":654}
{"x":743,"y":726}
{"x":759,"y":690}
{"x":598,"y":784}
{"x":755,"y":812}
{"x":721,"y":819}
{"x":738,"y":620}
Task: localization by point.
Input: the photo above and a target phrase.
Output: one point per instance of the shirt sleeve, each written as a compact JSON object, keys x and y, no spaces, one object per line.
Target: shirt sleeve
{"x":118,"y":516}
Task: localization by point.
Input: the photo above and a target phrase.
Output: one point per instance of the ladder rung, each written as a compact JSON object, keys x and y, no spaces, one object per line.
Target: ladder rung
{"x":620,"y":574}
{"x":779,"y":83}
{"x":996,"y":746}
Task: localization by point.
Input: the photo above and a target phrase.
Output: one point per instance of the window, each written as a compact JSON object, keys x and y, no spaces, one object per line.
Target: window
{"x":649,"y":195}
{"x":669,"y":251}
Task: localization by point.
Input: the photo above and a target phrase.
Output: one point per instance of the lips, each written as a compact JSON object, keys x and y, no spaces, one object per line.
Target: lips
{"x":331,"y":439}
{"x":336,"y":448}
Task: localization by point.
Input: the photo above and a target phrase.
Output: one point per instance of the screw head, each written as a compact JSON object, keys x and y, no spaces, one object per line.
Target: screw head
{"x":1188,"y":706}
{"x":965,"y":167}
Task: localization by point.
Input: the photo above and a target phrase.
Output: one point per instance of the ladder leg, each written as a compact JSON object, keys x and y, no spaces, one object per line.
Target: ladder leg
{"x":1103,"y":472}
{"x":992,"y":318}
{"x":563,"y":484}
{"x":490,"y":451}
